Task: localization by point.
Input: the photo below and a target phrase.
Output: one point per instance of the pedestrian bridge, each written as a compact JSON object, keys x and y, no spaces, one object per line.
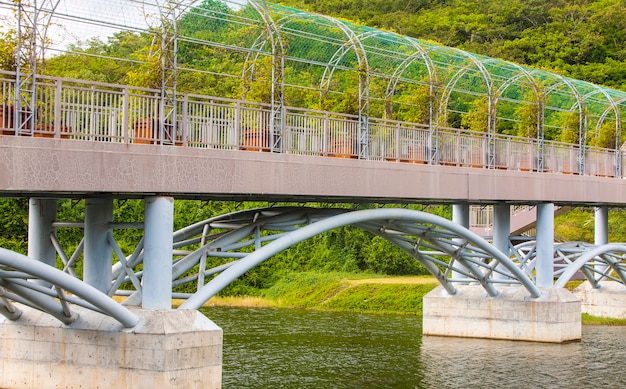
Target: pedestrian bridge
{"x":248,"y":100}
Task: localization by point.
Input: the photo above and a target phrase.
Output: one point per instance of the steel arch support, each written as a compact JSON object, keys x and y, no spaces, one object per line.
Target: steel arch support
{"x":351,"y":218}
{"x":588,"y":256}
{"x":75,"y":286}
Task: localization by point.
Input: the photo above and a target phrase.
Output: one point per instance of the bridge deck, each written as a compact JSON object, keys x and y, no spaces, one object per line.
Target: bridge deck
{"x":59,"y":167}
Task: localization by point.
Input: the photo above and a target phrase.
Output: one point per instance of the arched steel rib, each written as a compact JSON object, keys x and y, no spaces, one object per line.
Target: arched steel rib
{"x":260,"y":255}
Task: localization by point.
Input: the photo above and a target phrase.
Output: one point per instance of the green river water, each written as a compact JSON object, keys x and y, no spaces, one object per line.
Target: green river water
{"x":284,"y":348}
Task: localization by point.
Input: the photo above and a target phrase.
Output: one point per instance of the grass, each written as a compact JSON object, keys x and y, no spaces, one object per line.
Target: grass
{"x":356,"y":293}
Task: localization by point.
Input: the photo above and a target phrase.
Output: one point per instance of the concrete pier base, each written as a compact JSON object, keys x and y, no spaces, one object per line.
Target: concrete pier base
{"x":513,"y":315}
{"x":609,"y":300}
{"x":167,"y":349}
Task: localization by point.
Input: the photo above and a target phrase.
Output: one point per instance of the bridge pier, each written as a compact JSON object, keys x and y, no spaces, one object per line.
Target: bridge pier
{"x":512,"y":315}
{"x":166,"y":349}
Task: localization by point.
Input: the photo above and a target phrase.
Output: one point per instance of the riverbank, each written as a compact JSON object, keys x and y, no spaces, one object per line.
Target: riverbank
{"x":344,"y":293}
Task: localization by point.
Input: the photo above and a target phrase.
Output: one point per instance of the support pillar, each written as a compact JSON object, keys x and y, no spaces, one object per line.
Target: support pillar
{"x":545,"y":245}
{"x":98,"y":251}
{"x":461,"y":216}
{"x":41,"y":214}
{"x":601,"y":225}
{"x":157,"y":262}
{"x":502,"y":230}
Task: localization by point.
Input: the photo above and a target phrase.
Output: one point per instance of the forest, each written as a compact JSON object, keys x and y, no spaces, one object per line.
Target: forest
{"x":576,"y":38}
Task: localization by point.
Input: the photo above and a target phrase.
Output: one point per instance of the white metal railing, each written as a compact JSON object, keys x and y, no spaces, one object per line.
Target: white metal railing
{"x":94,"y":111}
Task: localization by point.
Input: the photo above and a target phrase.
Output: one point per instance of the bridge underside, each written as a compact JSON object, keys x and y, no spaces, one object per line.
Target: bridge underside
{"x":482,"y":289}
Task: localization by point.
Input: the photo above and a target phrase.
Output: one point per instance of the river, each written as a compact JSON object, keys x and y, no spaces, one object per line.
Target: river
{"x":283,"y":348}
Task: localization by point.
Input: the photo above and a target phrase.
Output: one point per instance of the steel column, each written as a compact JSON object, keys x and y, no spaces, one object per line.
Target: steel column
{"x":98,"y":251}
{"x":41,"y":214}
{"x":460,"y":216}
{"x":502,"y":230}
{"x":601,"y":231}
{"x":545,"y":245}
{"x":157,"y":262}
{"x":601,"y":225}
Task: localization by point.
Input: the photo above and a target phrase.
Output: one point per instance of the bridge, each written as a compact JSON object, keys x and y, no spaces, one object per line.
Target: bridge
{"x":248,"y":100}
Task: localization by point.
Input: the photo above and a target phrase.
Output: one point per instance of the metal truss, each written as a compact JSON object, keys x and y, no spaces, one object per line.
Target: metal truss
{"x":451,"y":253}
{"x":571,"y":259}
{"x":211,"y":254}
{"x":26,"y":281}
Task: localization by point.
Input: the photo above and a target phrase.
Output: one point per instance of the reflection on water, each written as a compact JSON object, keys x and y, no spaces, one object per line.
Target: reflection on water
{"x":591,"y":363}
{"x":278,"y":348}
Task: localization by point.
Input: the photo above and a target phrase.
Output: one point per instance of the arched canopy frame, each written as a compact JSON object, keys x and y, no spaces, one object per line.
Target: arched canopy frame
{"x":237,"y":40}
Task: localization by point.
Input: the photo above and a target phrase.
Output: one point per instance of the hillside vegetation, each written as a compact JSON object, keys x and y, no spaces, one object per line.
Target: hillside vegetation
{"x":583,"y":39}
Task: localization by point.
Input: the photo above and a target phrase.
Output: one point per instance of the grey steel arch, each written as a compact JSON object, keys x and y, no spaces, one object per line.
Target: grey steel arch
{"x":43,"y":287}
{"x":604,"y":262}
{"x":471,"y":256}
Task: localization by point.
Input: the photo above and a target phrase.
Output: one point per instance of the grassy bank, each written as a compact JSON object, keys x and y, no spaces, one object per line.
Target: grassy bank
{"x":353,"y":293}
{"x":341,"y":293}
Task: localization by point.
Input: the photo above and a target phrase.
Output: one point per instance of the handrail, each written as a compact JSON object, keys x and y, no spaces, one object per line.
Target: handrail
{"x":97,"y":111}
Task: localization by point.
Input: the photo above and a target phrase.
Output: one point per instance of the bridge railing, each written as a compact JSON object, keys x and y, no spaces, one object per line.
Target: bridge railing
{"x":95,"y":111}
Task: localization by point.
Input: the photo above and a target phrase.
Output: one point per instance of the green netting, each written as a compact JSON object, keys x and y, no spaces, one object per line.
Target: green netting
{"x":283,"y":56}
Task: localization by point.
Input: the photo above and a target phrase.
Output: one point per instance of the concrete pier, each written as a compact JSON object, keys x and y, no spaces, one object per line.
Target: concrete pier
{"x":167,"y":349}
{"x":609,"y":300}
{"x":513,"y":315}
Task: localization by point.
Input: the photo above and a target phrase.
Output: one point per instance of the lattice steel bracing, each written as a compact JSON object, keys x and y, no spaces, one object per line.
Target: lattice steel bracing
{"x":596,"y":263}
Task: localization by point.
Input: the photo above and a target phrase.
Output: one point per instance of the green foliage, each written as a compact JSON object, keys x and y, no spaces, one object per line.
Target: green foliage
{"x":478,"y":117}
{"x":14,"y":224}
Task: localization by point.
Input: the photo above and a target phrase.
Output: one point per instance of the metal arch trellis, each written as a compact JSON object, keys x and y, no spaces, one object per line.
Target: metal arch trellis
{"x":582,"y":117}
{"x":618,"y":131}
{"x":433,"y":86}
{"x":540,"y":108}
{"x":353,"y":42}
{"x":33,"y":18}
{"x":173,"y":10}
{"x":278,"y":70}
